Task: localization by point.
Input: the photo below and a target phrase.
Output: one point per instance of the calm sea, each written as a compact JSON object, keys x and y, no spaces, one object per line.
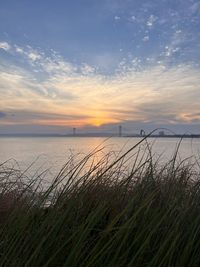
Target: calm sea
{"x":53,"y":152}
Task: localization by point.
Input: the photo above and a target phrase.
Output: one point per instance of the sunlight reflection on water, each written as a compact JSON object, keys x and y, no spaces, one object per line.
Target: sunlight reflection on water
{"x":51,"y":153}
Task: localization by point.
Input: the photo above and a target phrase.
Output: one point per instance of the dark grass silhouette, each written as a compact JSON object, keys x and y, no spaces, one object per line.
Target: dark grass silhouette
{"x":113,"y":214}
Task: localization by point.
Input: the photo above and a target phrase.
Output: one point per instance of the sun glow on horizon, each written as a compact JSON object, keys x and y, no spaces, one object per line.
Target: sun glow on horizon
{"x":98,"y":117}
{"x":99,"y":121}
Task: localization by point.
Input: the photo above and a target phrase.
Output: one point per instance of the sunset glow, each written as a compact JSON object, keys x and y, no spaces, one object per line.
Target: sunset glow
{"x":99,"y":121}
{"x":144,"y":69}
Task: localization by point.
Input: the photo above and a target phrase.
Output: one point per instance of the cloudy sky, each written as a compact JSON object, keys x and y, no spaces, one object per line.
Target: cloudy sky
{"x":97,"y":64}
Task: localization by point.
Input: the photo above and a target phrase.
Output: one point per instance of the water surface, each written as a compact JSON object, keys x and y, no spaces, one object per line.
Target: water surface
{"x":52,"y":152}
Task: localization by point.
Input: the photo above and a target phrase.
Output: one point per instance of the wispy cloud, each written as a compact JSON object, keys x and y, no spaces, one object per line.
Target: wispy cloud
{"x":151,"y":20}
{"x":5,"y":46}
{"x":195,"y":8}
{"x":117,"y":17}
{"x":61,"y":93}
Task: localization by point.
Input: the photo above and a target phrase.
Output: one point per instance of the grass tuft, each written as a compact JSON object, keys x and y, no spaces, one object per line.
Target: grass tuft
{"x":125,"y":210}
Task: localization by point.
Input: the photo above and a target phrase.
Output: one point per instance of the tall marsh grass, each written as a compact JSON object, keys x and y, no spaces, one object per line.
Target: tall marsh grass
{"x":146,"y":214}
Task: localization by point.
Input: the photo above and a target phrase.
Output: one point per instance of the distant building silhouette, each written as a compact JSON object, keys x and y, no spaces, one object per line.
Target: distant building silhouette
{"x":120,"y":130}
{"x":74,"y":131}
{"x":142,"y":132}
{"x":161,"y":133}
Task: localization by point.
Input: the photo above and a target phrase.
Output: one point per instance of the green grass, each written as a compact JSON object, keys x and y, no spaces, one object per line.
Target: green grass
{"x":123,"y":211}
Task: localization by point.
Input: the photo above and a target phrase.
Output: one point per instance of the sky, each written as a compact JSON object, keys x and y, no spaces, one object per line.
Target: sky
{"x":95,"y":65}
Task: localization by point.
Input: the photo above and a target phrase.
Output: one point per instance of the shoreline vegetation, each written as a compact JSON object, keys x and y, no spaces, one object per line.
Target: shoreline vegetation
{"x":145,"y":215}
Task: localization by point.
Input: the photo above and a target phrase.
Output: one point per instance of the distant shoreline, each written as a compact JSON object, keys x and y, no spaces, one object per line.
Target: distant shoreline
{"x":100,"y":135}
